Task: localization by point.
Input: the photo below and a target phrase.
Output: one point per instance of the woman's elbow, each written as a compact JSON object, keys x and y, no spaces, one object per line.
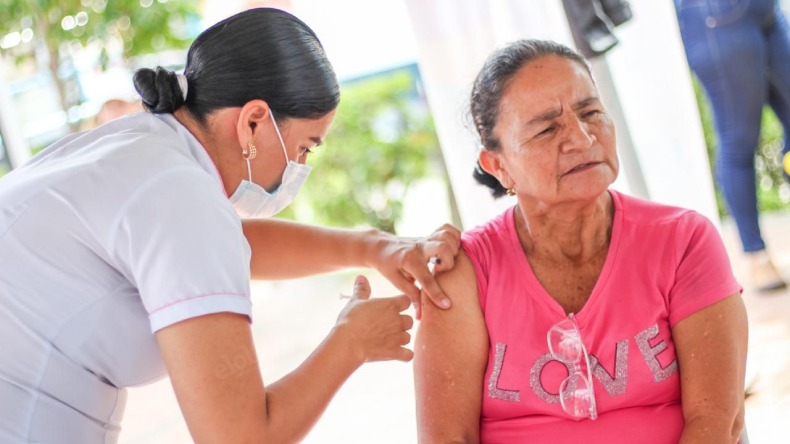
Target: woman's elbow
{"x":728,"y":426}
{"x":738,"y":426}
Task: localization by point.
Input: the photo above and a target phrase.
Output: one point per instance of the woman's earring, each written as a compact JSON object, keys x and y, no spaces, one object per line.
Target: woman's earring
{"x":250,"y":152}
{"x":511,"y":191}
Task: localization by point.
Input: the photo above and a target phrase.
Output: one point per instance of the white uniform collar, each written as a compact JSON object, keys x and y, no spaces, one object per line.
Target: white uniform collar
{"x":195,"y":148}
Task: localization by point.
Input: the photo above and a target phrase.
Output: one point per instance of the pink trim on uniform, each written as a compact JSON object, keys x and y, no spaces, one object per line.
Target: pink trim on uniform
{"x":236,"y":295}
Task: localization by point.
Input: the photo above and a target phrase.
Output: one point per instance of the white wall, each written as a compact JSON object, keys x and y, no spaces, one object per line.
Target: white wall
{"x":654,"y":88}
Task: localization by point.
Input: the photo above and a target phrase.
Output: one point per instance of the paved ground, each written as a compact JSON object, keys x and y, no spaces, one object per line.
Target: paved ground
{"x":376,"y":404}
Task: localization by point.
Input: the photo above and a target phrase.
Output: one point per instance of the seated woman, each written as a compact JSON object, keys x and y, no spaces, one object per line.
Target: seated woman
{"x":581,"y":314}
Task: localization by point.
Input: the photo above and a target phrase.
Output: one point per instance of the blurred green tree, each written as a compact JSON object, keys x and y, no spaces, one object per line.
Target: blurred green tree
{"x":381,"y":142}
{"x":138,"y":26}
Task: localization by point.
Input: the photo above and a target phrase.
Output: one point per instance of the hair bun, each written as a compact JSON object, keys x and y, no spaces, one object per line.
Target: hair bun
{"x":159,"y":90}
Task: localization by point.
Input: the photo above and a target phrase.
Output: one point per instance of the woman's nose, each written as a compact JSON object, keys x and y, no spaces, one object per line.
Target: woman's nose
{"x":578,"y":136}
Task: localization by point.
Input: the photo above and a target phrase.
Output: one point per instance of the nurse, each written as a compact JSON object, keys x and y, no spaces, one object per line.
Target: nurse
{"x":126,"y":252}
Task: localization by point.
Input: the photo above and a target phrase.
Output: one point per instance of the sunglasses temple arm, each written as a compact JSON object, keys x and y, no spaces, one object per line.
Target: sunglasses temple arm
{"x":593,"y":407}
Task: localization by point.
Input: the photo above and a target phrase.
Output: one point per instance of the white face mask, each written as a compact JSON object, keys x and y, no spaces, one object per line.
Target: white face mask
{"x":252,"y":201}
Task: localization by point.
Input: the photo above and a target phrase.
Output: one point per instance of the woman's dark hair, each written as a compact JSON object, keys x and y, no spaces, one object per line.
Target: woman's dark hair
{"x":261,"y":53}
{"x":492,"y":81}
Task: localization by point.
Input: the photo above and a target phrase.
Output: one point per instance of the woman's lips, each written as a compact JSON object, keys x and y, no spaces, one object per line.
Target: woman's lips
{"x":581,"y":167}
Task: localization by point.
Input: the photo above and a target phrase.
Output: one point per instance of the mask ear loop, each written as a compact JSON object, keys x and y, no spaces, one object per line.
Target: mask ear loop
{"x":279,"y":136}
{"x":248,"y":154}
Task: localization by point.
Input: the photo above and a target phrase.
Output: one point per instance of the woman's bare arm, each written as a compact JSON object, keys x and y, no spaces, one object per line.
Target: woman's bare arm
{"x":214,"y":371}
{"x":711,"y":351}
{"x":451,"y":353}
{"x":285,"y":250}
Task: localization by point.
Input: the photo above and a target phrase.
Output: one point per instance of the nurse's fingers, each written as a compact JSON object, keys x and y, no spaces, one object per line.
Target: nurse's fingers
{"x":423,"y":275}
{"x":442,"y":246}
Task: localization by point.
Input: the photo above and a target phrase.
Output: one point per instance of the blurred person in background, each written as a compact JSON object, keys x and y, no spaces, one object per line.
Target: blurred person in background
{"x":740,"y":51}
{"x":113,"y":108}
{"x":126,"y":252}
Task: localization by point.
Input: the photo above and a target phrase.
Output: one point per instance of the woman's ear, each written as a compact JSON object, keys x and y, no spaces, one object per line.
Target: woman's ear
{"x":252,"y":115}
{"x":491,"y":162}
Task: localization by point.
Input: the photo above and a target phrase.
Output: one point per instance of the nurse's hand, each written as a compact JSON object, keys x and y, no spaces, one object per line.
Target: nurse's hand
{"x":406,"y":260}
{"x":375,"y":329}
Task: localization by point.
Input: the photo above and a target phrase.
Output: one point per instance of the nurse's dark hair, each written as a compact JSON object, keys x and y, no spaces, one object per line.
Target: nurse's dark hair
{"x":261,"y":53}
{"x":490,"y":84}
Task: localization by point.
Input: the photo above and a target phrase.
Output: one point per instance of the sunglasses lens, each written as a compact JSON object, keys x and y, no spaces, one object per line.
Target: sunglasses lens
{"x":576,"y":392}
{"x":564,"y":342}
{"x":576,"y":396}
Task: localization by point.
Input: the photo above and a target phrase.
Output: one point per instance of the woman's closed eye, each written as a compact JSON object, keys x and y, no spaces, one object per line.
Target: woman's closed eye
{"x":546,"y":131}
{"x":589,"y":114}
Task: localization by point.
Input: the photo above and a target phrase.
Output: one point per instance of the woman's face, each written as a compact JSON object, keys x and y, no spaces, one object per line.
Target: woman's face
{"x":557,"y":142}
{"x":300,"y":136}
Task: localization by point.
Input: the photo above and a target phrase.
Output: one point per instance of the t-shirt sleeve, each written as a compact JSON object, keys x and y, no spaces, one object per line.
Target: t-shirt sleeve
{"x":474,"y":245}
{"x":479,"y":245}
{"x":704,"y":275}
{"x":179,"y":241}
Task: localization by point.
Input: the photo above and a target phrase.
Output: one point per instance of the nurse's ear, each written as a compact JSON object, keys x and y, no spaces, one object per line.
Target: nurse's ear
{"x":491,"y":162}
{"x":252,"y":115}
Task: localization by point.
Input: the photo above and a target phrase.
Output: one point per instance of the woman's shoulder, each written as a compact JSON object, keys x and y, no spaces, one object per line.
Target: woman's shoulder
{"x":650,"y":221}
{"x":145,"y":133}
{"x":140,"y":147}
{"x":490,"y":246}
{"x":641,"y":211}
{"x":131,"y":158}
{"x":493,"y":227}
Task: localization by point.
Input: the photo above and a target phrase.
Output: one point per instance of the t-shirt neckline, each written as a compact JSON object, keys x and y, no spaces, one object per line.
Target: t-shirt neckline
{"x":534,"y":286}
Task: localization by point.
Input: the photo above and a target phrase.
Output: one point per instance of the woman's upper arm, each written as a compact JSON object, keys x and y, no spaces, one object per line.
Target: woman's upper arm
{"x":213,"y":367}
{"x":711,"y":350}
{"x":451,"y":354}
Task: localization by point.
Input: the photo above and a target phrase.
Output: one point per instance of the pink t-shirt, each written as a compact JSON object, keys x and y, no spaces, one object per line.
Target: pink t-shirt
{"x":664,"y":264}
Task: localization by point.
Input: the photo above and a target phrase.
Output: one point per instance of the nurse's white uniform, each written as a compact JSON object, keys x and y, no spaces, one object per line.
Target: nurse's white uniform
{"x":106,"y":237}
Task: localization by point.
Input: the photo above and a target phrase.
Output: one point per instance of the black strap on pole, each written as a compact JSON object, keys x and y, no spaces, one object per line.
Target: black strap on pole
{"x":592,"y":23}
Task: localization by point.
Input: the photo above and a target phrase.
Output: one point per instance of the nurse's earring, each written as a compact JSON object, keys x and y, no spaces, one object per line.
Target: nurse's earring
{"x":249,"y":152}
{"x":511,"y":191}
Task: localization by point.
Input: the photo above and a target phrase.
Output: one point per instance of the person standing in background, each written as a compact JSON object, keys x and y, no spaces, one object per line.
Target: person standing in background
{"x":114,"y":108}
{"x":740,"y":51}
